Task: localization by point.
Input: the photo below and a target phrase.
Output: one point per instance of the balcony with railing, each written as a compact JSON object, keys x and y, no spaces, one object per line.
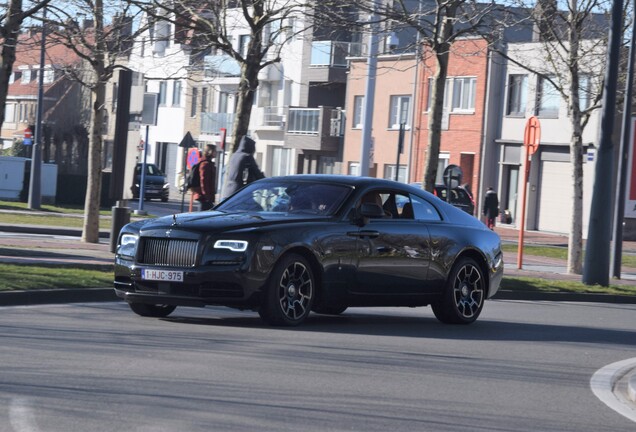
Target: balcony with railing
{"x":314,"y":128}
{"x":328,"y":62}
{"x":211,"y":123}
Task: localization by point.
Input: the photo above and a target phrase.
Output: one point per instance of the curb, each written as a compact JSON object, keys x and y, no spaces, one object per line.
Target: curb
{"x":562,"y":296}
{"x":54,"y":296}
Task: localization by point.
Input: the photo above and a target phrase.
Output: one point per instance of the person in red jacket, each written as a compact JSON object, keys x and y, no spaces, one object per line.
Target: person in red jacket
{"x":206,"y":192}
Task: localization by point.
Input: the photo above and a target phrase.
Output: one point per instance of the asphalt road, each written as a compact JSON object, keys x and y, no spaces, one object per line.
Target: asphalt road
{"x":522,"y":366}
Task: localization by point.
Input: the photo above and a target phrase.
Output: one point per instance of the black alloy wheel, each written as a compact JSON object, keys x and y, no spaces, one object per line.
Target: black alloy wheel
{"x":464,"y":296}
{"x":290,"y":292}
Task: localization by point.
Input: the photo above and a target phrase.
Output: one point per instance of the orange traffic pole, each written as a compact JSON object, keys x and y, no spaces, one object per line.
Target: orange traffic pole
{"x":522,"y":226}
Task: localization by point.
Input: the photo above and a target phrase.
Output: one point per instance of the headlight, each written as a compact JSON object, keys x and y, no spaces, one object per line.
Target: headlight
{"x":127,"y":245}
{"x":233,"y":245}
{"x":166,"y":185}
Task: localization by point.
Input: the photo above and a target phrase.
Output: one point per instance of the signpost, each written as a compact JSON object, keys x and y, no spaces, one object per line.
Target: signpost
{"x":28,"y":137}
{"x":531,"y":140}
{"x":148,"y":118}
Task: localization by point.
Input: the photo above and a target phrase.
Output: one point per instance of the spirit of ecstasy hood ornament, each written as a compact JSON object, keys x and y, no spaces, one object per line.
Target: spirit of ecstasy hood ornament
{"x":174,"y":219}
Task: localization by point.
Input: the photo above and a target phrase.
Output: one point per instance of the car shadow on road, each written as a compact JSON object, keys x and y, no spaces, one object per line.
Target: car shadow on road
{"x":425,"y":326}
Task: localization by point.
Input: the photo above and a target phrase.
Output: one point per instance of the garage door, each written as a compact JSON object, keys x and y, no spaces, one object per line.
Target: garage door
{"x":555,"y":197}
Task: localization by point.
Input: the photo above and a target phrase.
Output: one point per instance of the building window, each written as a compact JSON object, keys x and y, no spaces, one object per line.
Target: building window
{"x":176,"y":94}
{"x":26,"y":76}
{"x":113,"y":106}
{"x":244,"y":41}
{"x":224,"y":98}
{"x":357,"y":112}
{"x":353,"y":168}
{"x":447,"y":90}
{"x":585,"y":92}
{"x":327,"y":164}
{"x":204,"y":99}
{"x":280,"y":161}
{"x":517,"y":91}
{"x":547,"y":99}
{"x":193,"y":104}
{"x":49,"y":75}
{"x":162,"y":93}
{"x":400,"y":109}
{"x":464,"y":94}
{"x":9,"y":113}
{"x":442,"y":163}
{"x":389,"y":173}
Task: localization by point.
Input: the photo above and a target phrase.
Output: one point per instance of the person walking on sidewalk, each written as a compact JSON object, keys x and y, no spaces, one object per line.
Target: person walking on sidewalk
{"x":491,"y":207}
{"x":206,"y":191}
{"x":242,"y":168}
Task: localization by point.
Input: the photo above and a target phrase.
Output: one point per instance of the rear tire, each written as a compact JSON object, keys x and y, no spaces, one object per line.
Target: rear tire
{"x":289,"y":293}
{"x":463,"y":298}
{"x":153,"y":311}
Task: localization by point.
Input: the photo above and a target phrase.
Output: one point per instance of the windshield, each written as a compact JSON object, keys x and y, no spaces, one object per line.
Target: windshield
{"x":285,"y":196}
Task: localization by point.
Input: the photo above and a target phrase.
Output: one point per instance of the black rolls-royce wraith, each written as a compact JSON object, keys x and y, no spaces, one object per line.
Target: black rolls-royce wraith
{"x":286,"y":246}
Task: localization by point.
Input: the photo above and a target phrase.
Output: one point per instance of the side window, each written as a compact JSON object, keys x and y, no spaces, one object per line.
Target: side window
{"x":423,"y":210}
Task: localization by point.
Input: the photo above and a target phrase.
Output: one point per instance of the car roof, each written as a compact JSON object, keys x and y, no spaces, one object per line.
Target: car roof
{"x":355,"y":181}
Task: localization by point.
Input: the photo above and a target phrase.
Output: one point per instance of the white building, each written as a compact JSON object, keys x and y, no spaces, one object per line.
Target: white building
{"x":550,"y":187}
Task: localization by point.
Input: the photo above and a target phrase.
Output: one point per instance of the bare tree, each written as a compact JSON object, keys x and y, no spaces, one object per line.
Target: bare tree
{"x":11,"y":20}
{"x":101,"y":42}
{"x":210,"y":25}
{"x":573,"y":51}
{"x":438,"y":24}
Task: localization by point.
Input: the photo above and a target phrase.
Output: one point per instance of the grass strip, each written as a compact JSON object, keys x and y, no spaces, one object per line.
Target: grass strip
{"x":558,"y":252}
{"x":67,"y":209}
{"x":561,"y":286}
{"x":48,"y":220}
{"x":17,"y":277}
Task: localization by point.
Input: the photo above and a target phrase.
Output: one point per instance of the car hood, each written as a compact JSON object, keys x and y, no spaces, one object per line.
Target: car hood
{"x":215,"y":221}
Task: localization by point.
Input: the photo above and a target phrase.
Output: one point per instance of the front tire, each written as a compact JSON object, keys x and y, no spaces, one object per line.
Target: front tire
{"x":290,"y":292}
{"x":153,"y":311}
{"x":463,"y":298}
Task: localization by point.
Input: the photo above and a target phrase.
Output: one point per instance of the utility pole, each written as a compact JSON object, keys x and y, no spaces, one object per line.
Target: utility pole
{"x":596,"y":267}
{"x":623,"y":163}
{"x":369,"y":98}
{"x":35,"y":179}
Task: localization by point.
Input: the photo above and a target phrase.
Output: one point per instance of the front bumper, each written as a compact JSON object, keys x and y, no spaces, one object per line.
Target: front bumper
{"x":227,"y":285}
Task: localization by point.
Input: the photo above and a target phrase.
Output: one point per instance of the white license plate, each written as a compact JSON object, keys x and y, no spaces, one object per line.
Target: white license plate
{"x":162,"y":275}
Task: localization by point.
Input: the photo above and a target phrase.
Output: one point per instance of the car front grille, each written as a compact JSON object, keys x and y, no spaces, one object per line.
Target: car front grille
{"x":169,"y":252}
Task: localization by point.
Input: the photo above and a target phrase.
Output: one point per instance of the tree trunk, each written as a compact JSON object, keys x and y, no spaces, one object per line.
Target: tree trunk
{"x":10,"y":34}
{"x":441,"y":49}
{"x":438,"y":88}
{"x":90,"y":233}
{"x":575,"y":241}
{"x":246,"y":93}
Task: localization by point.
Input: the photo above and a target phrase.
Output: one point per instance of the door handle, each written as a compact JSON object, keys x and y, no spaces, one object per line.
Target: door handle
{"x":363,"y":234}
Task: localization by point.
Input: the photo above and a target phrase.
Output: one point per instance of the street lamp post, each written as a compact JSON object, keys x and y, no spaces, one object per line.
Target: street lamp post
{"x":35,"y":192}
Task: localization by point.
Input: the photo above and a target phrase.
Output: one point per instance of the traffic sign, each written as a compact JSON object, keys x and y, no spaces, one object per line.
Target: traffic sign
{"x":532,"y":135}
{"x":193,"y":157}
{"x":28,"y":137}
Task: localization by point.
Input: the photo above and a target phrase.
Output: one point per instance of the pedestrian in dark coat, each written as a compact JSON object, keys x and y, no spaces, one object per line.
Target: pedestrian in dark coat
{"x":205,"y":193}
{"x":491,"y":207}
{"x":242,"y":168}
